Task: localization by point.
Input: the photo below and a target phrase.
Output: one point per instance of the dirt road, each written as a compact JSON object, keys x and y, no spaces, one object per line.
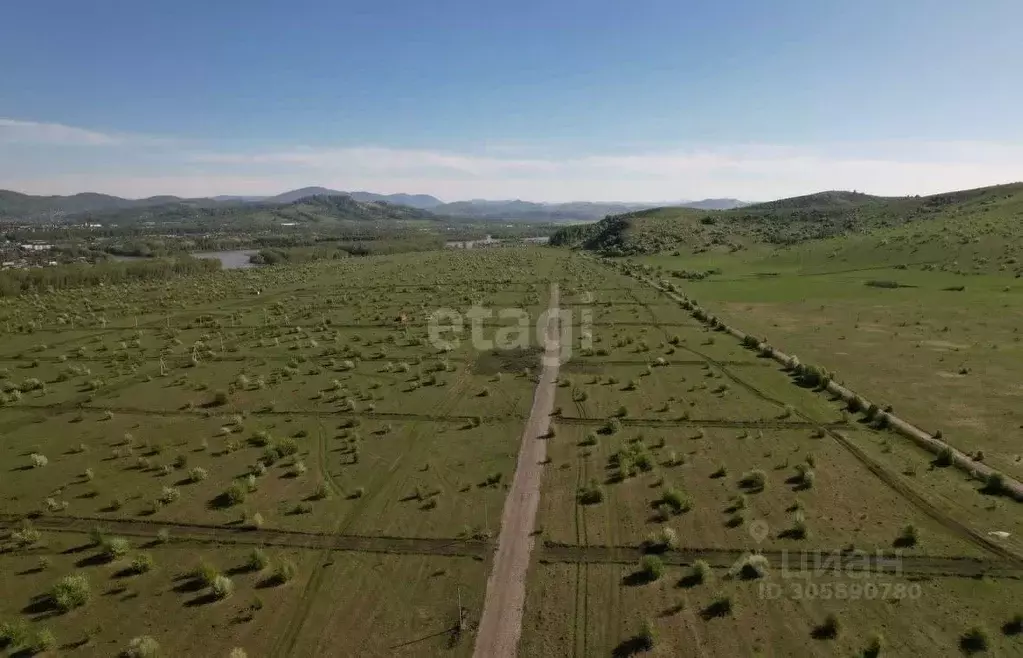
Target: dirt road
{"x":501,"y":621}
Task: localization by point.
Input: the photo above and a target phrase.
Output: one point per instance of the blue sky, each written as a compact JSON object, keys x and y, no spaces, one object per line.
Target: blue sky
{"x":598,"y":100}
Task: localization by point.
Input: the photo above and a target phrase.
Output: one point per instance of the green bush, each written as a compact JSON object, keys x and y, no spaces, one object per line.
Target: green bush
{"x":755,"y":480}
{"x":13,"y":634}
{"x":205,"y":573}
{"x":701,"y":572}
{"x":142,"y":563}
{"x":115,"y":548}
{"x":258,"y":560}
{"x":647,"y":637}
{"x":71,"y":592}
{"x":828,"y":629}
{"x":43,"y":641}
{"x":591,"y":494}
{"x":222,"y":587}
{"x":284,"y":572}
{"x":651,"y":567}
{"x":875,"y":645}
{"x":677,"y":500}
{"x":975,"y":640}
{"x":142,"y":647}
{"x":235,"y":494}
{"x":753,"y":567}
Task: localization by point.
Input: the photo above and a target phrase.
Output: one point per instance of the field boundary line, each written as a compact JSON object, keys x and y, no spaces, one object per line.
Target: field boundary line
{"x":908,"y":493}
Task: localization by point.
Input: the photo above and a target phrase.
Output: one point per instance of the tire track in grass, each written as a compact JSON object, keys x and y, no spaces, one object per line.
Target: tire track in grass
{"x":943,"y":518}
{"x":185,"y":533}
{"x":610,"y":508}
{"x":582,"y":583}
{"x":285,"y":645}
{"x":584,"y":470}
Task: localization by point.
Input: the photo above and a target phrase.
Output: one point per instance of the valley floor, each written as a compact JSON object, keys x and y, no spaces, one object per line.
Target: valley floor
{"x":310,"y":413}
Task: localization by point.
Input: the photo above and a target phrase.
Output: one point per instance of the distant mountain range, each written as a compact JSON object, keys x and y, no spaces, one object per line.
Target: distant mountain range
{"x":15,"y":205}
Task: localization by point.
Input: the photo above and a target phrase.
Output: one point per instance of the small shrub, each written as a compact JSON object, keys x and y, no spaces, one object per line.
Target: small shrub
{"x":875,"y":645}
{"x":755,"y":480}
{"x":142,"y":563}
{"x":663,"y":540}
{"x":909,"y":536}
{"x":71,"y":592}
{"x":169,"y":494}
{"x":719,"y":607}
{"x":197,"y":474}
{"x":115,"y":548}
{"x":42,"y":641}
{"x":651,"y":568}
{"x":206,"y":573}
{"x":700,"y":573}
{"x":753,"y":567}
{"x":258,"y":560}
{"x":142,"y":647}
{"x":975,"y":640}
{"x":254,"y":522}
{"x":13,"y":633}
{"x":828,"y":629}
{"x":994,"y":484}
{"x":647,"y":636}
{"x":591,"y":494}
{"x":38,"y":461}
{"x":677,"y":500}
{"x":235,"y":494}
{"x":945,"y":457}
{"x":284,"y":572}
{"x":222,"y":587}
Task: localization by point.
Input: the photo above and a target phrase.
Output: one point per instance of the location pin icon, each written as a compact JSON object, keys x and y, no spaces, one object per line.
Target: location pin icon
{"x":759,"y":530}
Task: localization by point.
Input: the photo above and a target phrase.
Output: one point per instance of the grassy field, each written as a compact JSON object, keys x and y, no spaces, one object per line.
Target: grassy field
{"x":714,"y":452}
{"x":285,"y":461}
{"x":946,"y":358}
{"x":304,"y":409}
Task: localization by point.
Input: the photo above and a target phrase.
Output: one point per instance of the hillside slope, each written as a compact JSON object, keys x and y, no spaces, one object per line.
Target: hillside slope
{"x":314,"y":210}
{"x":16,"y":205}
{"x":575,"y":211}
{"x":801,"y":219}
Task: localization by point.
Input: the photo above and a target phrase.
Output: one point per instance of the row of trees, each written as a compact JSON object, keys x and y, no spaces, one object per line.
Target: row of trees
{"x":20,"y":281}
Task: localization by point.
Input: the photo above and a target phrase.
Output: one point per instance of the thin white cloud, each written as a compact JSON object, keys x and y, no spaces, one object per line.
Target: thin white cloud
{"x":377,"y":160}
{"x":33,"y":132}
{"x":16,"y":131}
{"x":746,"y":171}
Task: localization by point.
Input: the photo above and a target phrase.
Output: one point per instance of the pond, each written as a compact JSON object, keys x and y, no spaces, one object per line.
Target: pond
{"x":229,"y":260}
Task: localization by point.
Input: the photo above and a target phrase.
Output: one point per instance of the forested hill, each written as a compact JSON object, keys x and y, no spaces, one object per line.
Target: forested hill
{"x":314,"y":211}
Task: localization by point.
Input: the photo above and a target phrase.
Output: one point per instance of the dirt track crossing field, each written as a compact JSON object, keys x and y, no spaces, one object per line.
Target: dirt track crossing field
{"x":501,"y":621}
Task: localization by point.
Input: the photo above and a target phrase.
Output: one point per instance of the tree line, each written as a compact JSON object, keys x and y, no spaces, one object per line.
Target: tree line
{"x":15,"y":282}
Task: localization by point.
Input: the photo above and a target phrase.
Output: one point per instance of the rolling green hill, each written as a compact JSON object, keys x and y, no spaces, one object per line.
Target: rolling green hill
{"x":314,"y":211}
{"x":983,"y":215}
{"x":16,"y":205}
